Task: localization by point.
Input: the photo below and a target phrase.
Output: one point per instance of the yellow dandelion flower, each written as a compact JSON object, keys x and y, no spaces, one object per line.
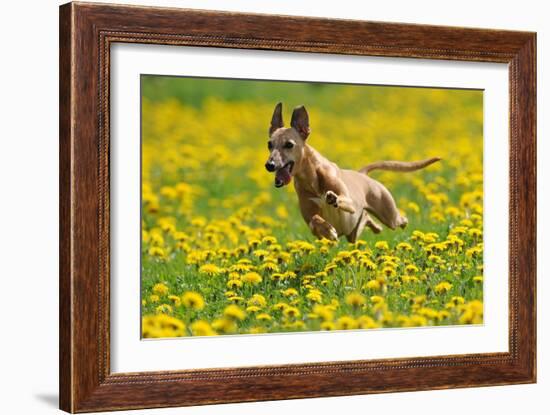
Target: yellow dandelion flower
{"x":376,"y":299}
{"x":263,"y":317}
{"x":437,"y":216}
{"x":164,"y":309}
{"x":252,"y":278}
{"x":160,"y":289}
{"x":314,"y":295}
{"x":145,"y":236}
{"x":291,"y":312}
{"x":269,"y":240}
{"x":306,"y":247}
{"x":235,"y":312}
{"x":323,"y":312}
{"x":157,"y":252}
{"x":327,"y":326}
{"x":233,"y":283}
{"x":382,"y":245}
{"x":404,"y":246}
{"x":254,"y":243}
{"x":224,"y":325}
{"x":472,"y":313}
{"x":367,"y":322}
{"x":411,"y":268}
{"x":466,"y":222}
{"x":355,"y":299}
{"x":413,"y":207}
{"x":162,"y":325}
{"x":331,"y":267}
{"x":325,"y":242}
{"x":389,"y":271}
{"x":475,"y":232}
{"x":373,"y":285}
{"x":198,"y":222}
{"x":289,"y":274}
{"x":241,"y":267}
{"x":202,"y":328}
{"x":260,"y":253}
{"x":346,"y":323}
{"x":156,"y":240}
{"x":180,"y":236}
{"x":175,"y":300}
{"x":280,"y":306}
{"x":459,"y":230}
{"x":283,"y":257}
{"x":427,"y":312}
{"x":443,"y":287}
{"x":193,"y":300}
{"x":210,"y":270}
{"x":290,"y":292}
{"x":269,"y":267}
{"x":257,"y":300}
{"x":418,"y":300}
{"x":281,"y":212}
{"x":417,"y":320}
{"x":344,"y":257}
{"x":276,"y":276}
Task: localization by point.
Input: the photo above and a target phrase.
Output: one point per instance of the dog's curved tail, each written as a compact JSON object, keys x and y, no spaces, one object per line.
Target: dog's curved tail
{"x":403,"y":166}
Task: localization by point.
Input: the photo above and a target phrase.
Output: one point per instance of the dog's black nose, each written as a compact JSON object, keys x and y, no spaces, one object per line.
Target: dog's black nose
{"x":270,"y":166}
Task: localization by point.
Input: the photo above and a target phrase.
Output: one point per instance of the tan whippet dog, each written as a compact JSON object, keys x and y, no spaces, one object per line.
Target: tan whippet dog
{"x":333,"y":201}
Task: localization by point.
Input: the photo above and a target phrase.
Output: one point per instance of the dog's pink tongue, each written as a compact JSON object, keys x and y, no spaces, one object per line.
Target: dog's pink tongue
{"x":283,"y":176}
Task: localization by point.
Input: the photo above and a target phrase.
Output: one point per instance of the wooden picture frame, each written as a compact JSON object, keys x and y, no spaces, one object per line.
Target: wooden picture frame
{"x":86,"y":33}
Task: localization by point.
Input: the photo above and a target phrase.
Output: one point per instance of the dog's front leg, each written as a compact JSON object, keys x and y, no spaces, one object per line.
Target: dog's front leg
{"x":335,"y":190}
{"x":311,"y":214}
{"x":339,"y":201}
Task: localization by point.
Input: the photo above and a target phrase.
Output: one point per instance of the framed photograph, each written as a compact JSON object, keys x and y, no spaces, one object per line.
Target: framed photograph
{"x":258,"y":207}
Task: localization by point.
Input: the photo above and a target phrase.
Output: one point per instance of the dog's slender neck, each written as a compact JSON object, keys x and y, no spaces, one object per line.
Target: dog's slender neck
{"x":304,"y":175}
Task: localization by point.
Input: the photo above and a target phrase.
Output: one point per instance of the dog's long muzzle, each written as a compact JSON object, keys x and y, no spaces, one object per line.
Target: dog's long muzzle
{"x":283,"y":175}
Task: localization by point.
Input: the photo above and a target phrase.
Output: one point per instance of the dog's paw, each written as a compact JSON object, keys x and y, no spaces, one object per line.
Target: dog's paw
{"x":331,"y":198}
{"x":322,"y":229}
{"x":328,"y":232}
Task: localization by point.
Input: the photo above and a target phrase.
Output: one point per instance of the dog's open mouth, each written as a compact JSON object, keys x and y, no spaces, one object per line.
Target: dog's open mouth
{"x":283,"y":176}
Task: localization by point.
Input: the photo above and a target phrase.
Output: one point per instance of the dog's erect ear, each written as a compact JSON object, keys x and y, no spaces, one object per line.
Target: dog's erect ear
{"x":300,"y":121}
{"x":276,"y":119}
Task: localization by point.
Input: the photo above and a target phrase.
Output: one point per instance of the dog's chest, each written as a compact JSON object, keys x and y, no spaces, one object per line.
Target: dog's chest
{"x":343,"y":222}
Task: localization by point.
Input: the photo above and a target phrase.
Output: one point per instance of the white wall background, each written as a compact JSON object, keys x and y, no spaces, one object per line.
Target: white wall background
{"x":29,"y":203}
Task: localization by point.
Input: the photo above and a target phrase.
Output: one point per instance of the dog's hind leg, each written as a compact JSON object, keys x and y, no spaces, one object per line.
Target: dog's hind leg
{"x":376,"y":228}
{"x":383,"y":207}
{"x":364,"y":220}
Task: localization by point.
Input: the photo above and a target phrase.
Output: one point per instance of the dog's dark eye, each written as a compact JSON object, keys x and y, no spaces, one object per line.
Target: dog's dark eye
{"x":270,"y":145}
{"x":289,"y":144}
